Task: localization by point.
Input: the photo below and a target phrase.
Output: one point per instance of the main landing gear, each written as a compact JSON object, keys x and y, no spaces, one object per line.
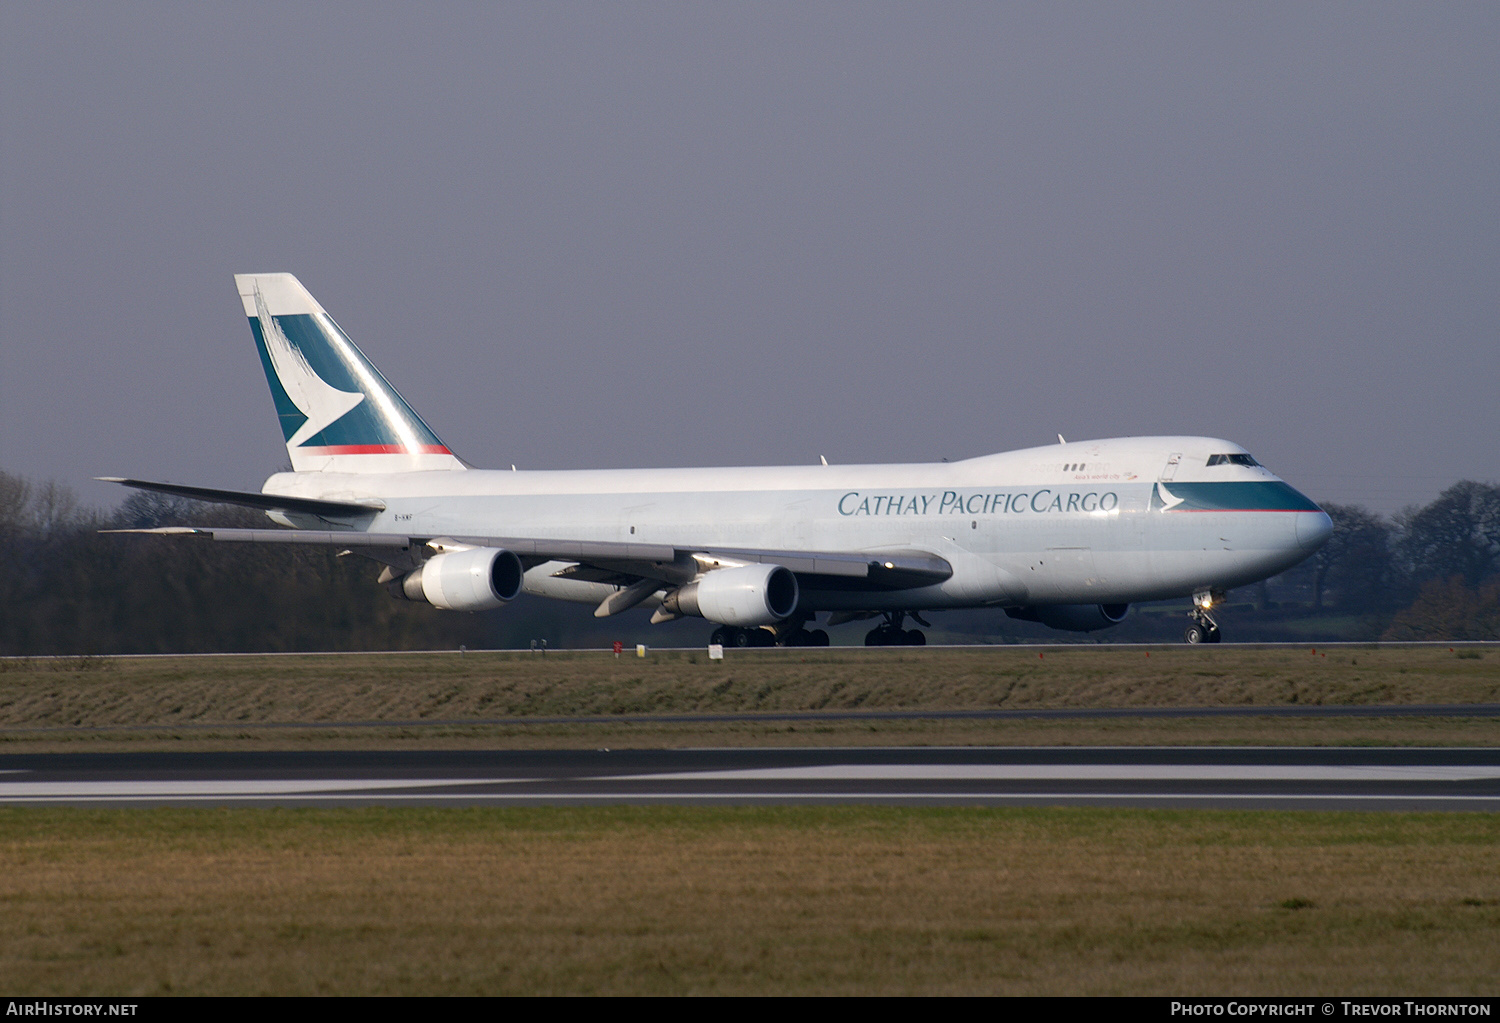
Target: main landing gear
{"x":796,"y":635}
{"x":1203,"y":628}
{"x":801,"y":637}
{"x":891,"y":633}
{"x":729,"y":635}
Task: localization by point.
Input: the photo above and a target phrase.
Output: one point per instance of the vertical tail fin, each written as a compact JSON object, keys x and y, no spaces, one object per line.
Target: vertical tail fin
{"x":338,"y":414}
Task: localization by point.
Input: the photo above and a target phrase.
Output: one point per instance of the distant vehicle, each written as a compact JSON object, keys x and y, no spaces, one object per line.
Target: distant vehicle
{"x":1068,"y":535}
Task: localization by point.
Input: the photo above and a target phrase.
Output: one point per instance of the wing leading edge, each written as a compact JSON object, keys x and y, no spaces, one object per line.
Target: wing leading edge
{"x":883,"y":570}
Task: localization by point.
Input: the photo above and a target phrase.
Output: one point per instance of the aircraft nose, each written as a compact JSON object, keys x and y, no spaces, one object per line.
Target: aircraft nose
{"x":1313,"y":530}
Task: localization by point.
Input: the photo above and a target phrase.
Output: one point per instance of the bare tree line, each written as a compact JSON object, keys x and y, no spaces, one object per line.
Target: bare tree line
{"x":68,"y":589}
{"x":1432,"y":571}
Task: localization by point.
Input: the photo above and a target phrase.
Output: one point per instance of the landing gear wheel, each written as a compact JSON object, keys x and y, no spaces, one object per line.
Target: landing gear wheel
{"x":719,"y":637}
{"x":1204,"y":629}
{"x":892,"y":634}
{"x":739,"y":637}
{"x":795,"y":632}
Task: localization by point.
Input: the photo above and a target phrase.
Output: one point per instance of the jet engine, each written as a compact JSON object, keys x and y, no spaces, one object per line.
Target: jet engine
{"x":747,"y":596}
{"x":473,"y":580}
{"x":1072,"y":617}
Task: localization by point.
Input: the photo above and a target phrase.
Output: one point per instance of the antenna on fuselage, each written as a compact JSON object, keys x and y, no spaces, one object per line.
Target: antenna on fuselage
{"x":1061,"y":439}
{"x":822,"y":459}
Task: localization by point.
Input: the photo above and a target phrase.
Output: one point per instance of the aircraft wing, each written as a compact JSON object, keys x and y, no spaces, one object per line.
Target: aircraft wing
{"x":889,"y":569}
{"x":595,"y":559}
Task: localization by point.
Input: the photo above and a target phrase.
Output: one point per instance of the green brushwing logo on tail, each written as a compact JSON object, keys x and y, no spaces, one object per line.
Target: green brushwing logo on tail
{"x":310,"y":397}
{"x":329,"y":398}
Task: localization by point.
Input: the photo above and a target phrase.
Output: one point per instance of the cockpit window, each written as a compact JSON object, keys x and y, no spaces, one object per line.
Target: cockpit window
{"x":1232,"y":460}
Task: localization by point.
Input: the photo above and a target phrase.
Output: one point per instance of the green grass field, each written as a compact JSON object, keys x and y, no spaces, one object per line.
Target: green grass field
{"x":443,"y":700}
{"x":798,"y":900}
{"x":795,"y":900}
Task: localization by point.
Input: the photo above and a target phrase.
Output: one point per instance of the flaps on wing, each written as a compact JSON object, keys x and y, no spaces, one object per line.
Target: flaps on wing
{"x":890,"y":569}
{"x":881,"y":570}
{"x":593,"y":574}
{"x":247,"y":499}
{"x":590,"y":551}
{"x":635,"y":594}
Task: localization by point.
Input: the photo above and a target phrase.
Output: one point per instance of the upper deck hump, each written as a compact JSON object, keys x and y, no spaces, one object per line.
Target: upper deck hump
{"x":1115,"y":460}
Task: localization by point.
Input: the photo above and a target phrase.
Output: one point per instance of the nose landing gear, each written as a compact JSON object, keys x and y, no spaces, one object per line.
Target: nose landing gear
{"x":1203,"y":628}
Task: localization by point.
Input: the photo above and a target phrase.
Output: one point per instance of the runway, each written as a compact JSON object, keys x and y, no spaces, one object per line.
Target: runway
{"x":1321,"y":778}
{"x":1363,"y":710}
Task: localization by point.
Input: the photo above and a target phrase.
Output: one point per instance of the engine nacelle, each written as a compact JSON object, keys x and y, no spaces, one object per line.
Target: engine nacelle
{"x":747,"y":596}
{"x":474,"y":580}
{"x":1072,"y":617}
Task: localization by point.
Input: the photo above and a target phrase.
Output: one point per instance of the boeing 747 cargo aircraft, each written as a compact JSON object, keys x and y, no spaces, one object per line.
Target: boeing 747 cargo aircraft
{"x":1068,"y":535}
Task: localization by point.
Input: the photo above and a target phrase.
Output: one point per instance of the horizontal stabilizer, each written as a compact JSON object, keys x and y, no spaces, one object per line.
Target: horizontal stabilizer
{"x":246,"y":499}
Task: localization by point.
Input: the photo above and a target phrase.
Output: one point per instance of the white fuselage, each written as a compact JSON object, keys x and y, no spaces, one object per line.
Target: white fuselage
{"x":1096,"y":522}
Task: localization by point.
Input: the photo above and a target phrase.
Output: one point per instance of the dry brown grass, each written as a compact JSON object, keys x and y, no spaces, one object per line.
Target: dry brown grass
{"x":153,"y":699}
{"x":728,"y":901}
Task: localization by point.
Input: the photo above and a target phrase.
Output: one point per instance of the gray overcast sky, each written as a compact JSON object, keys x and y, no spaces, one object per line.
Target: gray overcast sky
{"x":588,"y":235}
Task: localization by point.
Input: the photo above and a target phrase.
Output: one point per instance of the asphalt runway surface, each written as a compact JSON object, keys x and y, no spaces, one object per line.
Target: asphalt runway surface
{"x":1320,"y":778}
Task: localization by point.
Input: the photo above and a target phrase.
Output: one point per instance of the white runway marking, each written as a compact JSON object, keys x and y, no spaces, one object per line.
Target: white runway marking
{"x":1081,"y":772}
{"x":1365,"y":785}
{"x":228,"y":787}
